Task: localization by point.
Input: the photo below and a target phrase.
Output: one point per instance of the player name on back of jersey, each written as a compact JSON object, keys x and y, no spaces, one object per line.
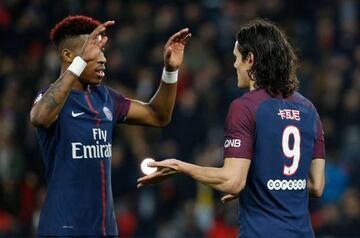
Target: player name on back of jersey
{"x":95,"y":150}
{"x":289,"y":114}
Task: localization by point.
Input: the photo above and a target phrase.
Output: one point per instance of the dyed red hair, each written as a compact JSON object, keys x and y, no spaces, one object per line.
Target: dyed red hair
{"x":72,"y":26}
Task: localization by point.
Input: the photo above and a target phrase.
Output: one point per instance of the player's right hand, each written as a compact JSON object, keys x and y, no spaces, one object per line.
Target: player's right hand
{"x":156,"y":177}
{"x":229,"y":197}
{"x":95,"y":42}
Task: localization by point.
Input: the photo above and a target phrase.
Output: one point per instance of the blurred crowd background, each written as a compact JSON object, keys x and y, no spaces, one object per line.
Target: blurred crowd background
{"x":325,"y":34}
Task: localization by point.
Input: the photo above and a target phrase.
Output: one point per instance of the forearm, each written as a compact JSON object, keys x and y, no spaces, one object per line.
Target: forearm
{"x":316,"y":188}
{"x":45,"y":112}
{"x":316,"y":180}
{"x":216,"y":178}
{"x":162,"y":103}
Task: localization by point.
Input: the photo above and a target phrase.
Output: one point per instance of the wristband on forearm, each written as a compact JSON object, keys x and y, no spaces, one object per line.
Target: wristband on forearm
{"x":77,"y":66}
{"x":169,"y":77}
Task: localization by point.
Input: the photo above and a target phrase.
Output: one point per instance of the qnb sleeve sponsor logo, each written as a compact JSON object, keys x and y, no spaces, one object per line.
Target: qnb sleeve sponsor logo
{"x":299,"y":184}
{"x":232,"y":143}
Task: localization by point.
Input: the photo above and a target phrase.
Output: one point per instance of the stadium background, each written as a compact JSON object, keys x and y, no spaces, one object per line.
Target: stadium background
{"x":325,"y":34}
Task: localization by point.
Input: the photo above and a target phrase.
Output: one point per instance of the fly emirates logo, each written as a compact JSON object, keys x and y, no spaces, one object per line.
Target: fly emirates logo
{"x":94,"y":151}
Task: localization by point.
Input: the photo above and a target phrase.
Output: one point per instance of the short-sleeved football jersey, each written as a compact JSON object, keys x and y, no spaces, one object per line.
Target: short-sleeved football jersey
{"x":77,"y":155}
{"x":281,"y":136}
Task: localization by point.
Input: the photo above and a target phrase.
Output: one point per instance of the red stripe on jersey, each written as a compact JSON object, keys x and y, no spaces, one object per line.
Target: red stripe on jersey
{"x":102,"y":170}
{"x":92,"y":108}
{"x":103,"y":197}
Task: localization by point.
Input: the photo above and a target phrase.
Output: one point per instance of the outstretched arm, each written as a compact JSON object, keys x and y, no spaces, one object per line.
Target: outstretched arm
{"x":45,"y":111}
{"x":231,"y":178}
{"x":157,"y":112}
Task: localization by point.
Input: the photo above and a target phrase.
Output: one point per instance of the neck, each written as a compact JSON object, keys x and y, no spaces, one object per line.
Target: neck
{"x":77,"y":85}
{"x":251,"y":85}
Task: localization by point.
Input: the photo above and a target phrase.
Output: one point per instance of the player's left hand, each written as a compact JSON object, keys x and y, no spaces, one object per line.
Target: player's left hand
{"x":229,"y":197}
{"x":95,"y":42}
{"x":166,"y":169}
{"x":174,"y":49}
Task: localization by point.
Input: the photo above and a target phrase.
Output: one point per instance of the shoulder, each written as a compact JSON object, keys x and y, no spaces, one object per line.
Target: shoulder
{"x":111,"y":91}
{"x":107,"y":91}
{"x":250,"y":100}
{"x":299,"y":98}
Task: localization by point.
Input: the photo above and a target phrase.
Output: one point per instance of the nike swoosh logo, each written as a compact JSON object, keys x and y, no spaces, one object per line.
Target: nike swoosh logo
{"x":76,"y":114}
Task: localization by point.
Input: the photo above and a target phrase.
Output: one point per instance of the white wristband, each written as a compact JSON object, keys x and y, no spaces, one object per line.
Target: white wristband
{"x":169,"y":77}
{"x":77,"y":66}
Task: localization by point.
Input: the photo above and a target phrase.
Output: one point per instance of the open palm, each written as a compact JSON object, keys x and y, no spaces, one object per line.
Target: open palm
{"x":174,"y":49}
{"x":95,"y":42}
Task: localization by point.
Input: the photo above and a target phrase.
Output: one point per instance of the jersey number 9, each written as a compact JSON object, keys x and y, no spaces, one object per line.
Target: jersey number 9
{"x":291,"y":153}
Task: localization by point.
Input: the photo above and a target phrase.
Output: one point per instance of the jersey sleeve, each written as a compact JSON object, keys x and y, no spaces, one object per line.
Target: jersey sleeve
{"x":319,"y":147}
{"x":121,"y":106}
{"x":239,"y":130}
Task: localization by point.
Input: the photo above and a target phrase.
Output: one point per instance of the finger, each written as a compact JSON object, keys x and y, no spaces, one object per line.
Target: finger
{"x":151,"y":164}
{"x":178,"y":35}
{"x":184,"y":35}
{"x":140,"y":185}
{"x":108,"y":23}
{"x":101,"y":28}
{"x":228,"y":198}
{"x":186,"y":39}
{"x":148,"y":177}
{"x":157,"y":164}
{"x":102,"y":42}
{"x":157,"y":176}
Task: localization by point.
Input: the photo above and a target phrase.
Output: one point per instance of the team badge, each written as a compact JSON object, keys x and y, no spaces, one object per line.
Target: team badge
{"x":107,"y":113}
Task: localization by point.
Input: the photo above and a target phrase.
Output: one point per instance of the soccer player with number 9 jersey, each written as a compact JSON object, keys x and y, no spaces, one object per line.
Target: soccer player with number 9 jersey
{"x":274,"y":146}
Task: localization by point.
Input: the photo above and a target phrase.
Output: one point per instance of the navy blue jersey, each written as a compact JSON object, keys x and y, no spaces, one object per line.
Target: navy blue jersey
{"x":77,"y":156}
{"x":281,"y":136}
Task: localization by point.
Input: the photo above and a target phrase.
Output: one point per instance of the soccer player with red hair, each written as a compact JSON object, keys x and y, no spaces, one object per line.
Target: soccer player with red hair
{"x":75,"y":117}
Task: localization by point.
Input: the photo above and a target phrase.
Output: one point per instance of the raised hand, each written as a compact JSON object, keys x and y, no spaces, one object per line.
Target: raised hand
{"x":174,"y":49}
{"x":229,"y":197}
{"x":166,"y":169}
{"x":95,"y":42}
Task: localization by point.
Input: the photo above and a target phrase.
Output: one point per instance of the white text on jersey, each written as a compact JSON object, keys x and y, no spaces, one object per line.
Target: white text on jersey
{"x":289,"y":114}
{"x":232,"y":143}
{"x":296,"y":184}
{"x":99,"y":134}
{"x":92,"y":151}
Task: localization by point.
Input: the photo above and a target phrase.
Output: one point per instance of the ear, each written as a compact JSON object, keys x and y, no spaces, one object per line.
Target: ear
{"x":250,"y":59}
{"x":67,"y":55}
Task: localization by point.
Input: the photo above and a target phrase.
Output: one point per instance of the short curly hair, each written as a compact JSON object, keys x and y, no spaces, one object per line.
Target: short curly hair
{"x":275,"y":62}
{"x":72,"y":26}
